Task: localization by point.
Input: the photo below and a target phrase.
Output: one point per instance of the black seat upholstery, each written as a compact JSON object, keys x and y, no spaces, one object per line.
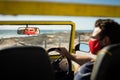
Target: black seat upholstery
{"x":29,"y":63}
{"x":107,"y":65}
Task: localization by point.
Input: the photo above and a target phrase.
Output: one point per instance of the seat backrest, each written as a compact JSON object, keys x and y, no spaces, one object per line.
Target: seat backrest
{"x":28,"y":62}
{"x":107,"y":65}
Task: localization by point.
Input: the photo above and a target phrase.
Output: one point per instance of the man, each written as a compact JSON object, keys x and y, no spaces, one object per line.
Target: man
{"x":105,"y":33}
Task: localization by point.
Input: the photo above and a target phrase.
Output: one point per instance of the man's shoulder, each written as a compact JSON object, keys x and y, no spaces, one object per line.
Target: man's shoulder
{"x":84,"y":71}
{"x":87,"y":67}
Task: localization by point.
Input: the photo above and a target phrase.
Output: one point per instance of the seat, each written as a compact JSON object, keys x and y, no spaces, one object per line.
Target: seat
{"x":29,"y":63}
{"x":107,"y":65}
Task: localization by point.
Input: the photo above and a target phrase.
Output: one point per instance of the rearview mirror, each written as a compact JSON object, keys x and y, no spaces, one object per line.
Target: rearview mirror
{"x":28,"y":30}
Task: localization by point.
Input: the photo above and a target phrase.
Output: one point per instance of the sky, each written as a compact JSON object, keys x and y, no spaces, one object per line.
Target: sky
{"x":82,"y":23}
{"x":105,"y":2}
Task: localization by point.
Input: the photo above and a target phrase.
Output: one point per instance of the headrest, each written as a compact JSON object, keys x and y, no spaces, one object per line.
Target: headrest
{"x":28,"y":62}
{"x":107,"y":65}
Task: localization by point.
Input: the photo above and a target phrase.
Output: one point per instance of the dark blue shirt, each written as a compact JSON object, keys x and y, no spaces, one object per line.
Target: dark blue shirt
{"x":84,"y":71}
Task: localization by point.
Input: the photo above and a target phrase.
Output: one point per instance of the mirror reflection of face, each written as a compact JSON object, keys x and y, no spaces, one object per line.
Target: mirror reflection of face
{"x":30,"y":30}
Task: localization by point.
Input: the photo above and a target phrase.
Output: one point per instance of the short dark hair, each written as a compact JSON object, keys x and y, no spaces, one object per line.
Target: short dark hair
{"x":109,"y":28}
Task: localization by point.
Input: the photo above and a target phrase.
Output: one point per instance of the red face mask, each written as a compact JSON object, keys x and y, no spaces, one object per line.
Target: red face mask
{"x":94,"y":46}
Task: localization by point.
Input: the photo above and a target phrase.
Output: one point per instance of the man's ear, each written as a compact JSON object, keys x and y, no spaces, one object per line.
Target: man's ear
{"x":106,"y":41}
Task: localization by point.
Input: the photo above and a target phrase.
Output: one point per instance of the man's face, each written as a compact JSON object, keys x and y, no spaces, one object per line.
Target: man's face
{"x":94,"y":43}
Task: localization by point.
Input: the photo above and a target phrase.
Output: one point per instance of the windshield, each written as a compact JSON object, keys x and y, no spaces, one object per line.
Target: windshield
{"x":49,"y":36}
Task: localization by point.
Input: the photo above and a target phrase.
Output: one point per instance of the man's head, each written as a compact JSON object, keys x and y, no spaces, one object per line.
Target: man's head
{"x":106,"y":32}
